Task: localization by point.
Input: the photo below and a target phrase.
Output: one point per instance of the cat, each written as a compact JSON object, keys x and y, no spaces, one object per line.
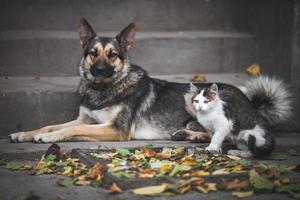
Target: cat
{"x":227,"y":113}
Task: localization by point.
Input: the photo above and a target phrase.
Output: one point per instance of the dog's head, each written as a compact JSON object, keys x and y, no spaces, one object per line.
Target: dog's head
{"x":104,"y":57}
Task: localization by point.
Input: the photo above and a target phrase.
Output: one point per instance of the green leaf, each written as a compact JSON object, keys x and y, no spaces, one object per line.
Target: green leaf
{"x":260,"y":183}
{"x":28,"y":196}
{"x":149,"y":146}
{"x":65,"y":182}
{"x":123,"y":152}
{"x":288,"y":188}
{"x":50,"y":157}
{"x":14,"y":166}
{"x":62,"y":164}
{"x":2,"y":162}
{"x":276,"y":156}
{"x":179,"y":168}
{"x":293,"y":152}
{"x":122,"y":174}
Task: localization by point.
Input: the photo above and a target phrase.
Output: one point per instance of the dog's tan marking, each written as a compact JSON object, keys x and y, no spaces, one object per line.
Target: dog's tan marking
{"x":97,"y":132}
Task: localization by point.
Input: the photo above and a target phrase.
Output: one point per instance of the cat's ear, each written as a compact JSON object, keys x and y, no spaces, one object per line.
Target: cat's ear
{"x":193,"y":89}
{"x":213,"y":90}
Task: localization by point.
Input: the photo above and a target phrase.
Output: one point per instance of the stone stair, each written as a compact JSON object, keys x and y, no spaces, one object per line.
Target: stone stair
{"x":40,"y":51}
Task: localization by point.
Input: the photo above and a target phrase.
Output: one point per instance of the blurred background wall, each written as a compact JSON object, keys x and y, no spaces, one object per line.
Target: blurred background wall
{"x":40,"y":51}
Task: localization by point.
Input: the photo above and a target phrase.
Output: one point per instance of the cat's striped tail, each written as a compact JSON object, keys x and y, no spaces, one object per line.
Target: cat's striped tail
{"x":271,"y":97}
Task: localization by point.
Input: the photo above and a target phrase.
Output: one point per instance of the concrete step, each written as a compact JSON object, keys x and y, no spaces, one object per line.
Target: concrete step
{"x":57,"y":53}
{"x":29,"y":103}
{"x":114,"y":14}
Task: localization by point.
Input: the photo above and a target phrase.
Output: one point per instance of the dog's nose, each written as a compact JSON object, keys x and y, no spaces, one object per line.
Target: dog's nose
{"x":97,"y":70}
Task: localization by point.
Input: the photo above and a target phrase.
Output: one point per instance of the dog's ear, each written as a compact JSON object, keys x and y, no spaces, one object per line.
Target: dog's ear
{"x":86,"y":32}
{"x":126,"y":36}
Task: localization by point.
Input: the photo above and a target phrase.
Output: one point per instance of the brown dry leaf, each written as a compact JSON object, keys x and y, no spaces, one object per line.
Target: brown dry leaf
{"x":235,"y":184}
{"x":83,"y":182}
{"x":199,"y":78}
{"x":150,"y":190}
{"x":254,"y":70}
{"x":242,"y":194}
{"x":96,"y":171}
{"x":114,"y":188}
{"x":148,"y":173}
{"x":211,"y":187}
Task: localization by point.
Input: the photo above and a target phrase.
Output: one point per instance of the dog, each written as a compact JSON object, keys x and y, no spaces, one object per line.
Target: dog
{"x":119,"y":101}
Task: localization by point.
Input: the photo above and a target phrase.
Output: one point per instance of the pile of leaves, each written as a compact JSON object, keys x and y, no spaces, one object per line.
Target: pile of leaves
{"x":148,"y":162}
{"x":193,"y":169}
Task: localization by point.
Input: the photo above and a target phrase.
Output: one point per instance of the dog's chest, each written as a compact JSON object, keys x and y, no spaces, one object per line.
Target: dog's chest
{"x":103,"y":115}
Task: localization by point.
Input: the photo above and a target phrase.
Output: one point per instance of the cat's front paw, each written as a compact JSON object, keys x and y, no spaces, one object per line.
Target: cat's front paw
{"x":213,"y":149}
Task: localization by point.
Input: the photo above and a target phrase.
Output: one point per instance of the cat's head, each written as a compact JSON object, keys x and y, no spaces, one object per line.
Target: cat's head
{"x":204,"y":99}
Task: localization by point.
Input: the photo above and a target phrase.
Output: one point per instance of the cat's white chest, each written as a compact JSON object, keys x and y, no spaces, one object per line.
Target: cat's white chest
{"x":213,"y":120}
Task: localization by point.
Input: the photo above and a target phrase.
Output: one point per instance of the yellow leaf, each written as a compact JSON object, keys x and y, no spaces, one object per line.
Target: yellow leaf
{"x":150,"y":190}
{"x":242,"y":194}
{"x":220,"y":172}
{"x":254,"y":69}
{"x":233,"y":157}
{"x":201,"y":173}
{"x":237,"y":168}
{"x":207,"y":163}
{"x":199,"y":78}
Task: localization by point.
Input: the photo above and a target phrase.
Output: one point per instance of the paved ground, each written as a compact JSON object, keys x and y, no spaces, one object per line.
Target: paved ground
{"x":15,"y":184}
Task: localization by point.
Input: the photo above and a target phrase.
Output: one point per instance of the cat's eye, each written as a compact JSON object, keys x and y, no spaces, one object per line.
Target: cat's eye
{"x":205,"y":101}
{"x":195,"y":101}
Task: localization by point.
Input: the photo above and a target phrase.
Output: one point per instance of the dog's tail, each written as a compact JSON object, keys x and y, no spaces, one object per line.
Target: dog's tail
{"x":271,"y":97}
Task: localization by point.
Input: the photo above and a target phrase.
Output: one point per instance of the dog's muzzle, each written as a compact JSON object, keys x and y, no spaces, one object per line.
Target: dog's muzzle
{"x":102,"y":70}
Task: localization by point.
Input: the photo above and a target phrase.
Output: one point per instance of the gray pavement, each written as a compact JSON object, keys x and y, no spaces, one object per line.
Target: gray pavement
{"x":15,"y":184}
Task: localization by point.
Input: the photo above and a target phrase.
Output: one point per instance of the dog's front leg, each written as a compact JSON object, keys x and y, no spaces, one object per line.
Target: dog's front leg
{"x":96,"y":132}
{"x":29,"y":135}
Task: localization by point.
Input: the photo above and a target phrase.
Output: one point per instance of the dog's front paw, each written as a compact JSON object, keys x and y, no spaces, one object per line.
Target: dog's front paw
{"x":20,"y":137}
{"x":213,"y":149}
{"x":46,"y":138}
{"x":179,"y":135}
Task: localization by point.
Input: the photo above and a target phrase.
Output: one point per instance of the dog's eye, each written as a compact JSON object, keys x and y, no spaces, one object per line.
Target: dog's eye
{"x":195,"y":101}
{"x":93,"y":52}
{"x":112,"y":54}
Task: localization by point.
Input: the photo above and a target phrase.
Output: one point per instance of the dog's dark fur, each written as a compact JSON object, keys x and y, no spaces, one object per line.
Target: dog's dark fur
{"x":119,"y":101}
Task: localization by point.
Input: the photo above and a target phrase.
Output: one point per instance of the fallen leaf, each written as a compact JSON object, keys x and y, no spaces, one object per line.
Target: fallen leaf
{"x":114,"y":188}
{"x":235,"y":184}
{"x":96,"y":171}
{"x":150,"y":190}
{"x":233,"y":157}
{"x":123,"y":152}
{"x":221,"y":172}
{"x":199,"y":78}
{"x":258,"y":182}
{"x":65,"y":182}
{"x":293,"y":152}
{"x":242,"y":194}
{"x":83,"y":182}
{"x":53,"y":150}
{"x":2,"y":162}
{"x":211,"y":187}
{"x":276,"y":156}
{"x":29,"y":196}
{"x":179,"y":168}
{"x":254,"y":69}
